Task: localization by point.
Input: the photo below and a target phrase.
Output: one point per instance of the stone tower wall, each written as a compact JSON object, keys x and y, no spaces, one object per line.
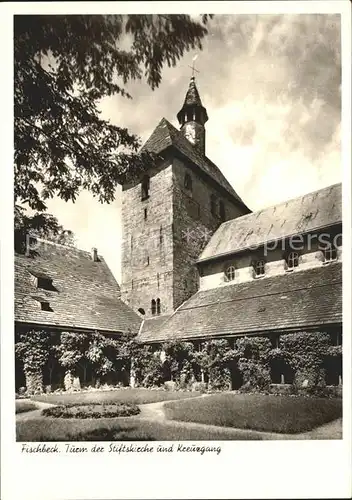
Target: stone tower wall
{"x":193,"y":226}
{"x":147,"y":247}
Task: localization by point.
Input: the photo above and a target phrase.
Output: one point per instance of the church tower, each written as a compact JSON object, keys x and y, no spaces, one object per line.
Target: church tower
{"x":170,"y":213}
{"x":192,"y":118}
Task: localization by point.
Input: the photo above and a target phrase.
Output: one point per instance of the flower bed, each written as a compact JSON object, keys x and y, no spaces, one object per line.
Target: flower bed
{"x":92,"y":411}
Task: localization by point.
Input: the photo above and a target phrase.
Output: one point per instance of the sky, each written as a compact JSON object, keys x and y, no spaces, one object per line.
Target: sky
{"x":272,"y":88}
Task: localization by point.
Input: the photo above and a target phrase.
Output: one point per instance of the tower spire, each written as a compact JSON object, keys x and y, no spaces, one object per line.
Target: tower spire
{"x":193,"y":116}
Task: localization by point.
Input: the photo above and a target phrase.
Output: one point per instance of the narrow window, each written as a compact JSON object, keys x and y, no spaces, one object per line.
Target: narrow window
{"x":188,"y":182}
{"x":230,"y":273}
{"x":222,"y":210}
{"x":292,"y":260}
{"x":141,"y":311}
{"x":161,"y":237}
{"x":153,"y":307}
{"x":145,"y":214}
{"x":158,"y":306}
{"x":145,"y":187}
{"x":147,"y":262}
{"x":259,"y":268}
{"x":330,"y":253}
{"x":213,"y":204}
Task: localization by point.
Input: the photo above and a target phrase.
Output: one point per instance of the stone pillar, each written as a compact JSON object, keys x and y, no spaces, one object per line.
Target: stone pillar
{"x":34,"y":381}
{"x":132,"y":375}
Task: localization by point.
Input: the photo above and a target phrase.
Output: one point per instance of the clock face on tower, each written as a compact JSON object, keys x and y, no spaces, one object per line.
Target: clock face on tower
{"x":190,"y":133}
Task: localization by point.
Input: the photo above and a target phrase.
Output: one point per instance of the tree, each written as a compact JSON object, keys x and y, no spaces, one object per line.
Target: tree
{"x":63,"y":66}
{"x":38,"y":225}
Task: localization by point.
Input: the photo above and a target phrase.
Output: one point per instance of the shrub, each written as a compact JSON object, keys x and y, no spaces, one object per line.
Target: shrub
{"x":92,"y":410}
{"x":199,"y":387}
{"x":170,"y":385}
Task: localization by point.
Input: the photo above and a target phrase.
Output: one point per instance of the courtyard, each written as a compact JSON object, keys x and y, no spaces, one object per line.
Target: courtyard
{"x":181,"y":416}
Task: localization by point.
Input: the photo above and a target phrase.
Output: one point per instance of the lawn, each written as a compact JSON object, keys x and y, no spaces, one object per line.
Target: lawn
{"x":136,"y":396}
{"x":282,"y":414}
{"x":125,"y":429}
{"x":23,"y":406}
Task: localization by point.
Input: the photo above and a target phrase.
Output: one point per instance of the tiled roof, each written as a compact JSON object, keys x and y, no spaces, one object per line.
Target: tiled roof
{"x":299,"y":300}
{"x":192,"y":96}
{"x":166,"y":135}
{"x":307,"y":213}
{"x":84,"y":293}
{"x":151,"y":325}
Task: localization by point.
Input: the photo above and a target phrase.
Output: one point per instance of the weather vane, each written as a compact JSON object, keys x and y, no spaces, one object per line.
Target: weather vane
{"x":192,"y":67}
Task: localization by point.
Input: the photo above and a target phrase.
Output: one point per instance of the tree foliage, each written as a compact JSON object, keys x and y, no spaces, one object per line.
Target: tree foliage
{"x":63,"y":67}
{"x":41,"y":225}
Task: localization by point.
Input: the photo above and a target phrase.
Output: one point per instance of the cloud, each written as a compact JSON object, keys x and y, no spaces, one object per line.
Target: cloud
{"x":271,"y":85}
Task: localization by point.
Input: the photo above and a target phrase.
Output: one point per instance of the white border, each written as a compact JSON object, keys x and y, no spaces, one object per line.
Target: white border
{"x":285,"y":469}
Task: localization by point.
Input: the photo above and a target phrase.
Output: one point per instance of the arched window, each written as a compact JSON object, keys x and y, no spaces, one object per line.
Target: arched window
{"x":158,"y":307}
{"x":213,"y":204}
{"x":188,"y":182}
{"x":222,"y":211}
{"x":292,"y":260}
{"x":259,"y":268}
{"x":153,"y":306}
{"x":145,"y":187}
{"x":230,"y":273}
{"x":330,"y":253}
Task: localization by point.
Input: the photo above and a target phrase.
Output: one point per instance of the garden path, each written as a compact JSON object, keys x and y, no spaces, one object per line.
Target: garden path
{"x":27,"y":415}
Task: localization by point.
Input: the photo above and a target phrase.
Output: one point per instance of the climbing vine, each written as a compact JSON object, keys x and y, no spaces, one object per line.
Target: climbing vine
{"x":180,"y":362}
{"x":33,"y":348}
{"x":303,"y":359}
{"x":305,"y":353}
{"x":215,"y":359}
{"x":252,"y":355}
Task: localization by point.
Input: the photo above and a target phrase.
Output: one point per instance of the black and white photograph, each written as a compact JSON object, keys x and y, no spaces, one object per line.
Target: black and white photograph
{"x":178,"y":204}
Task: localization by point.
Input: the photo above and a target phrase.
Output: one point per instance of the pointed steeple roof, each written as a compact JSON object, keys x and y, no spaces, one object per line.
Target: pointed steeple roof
{"x":192,"y":103}
{"x":192,"y":97}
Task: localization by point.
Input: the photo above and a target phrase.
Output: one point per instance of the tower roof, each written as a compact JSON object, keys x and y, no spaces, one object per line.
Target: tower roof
{"x":166,"y":135}
{"x":192,"y":101}
{"x":192,"y":97}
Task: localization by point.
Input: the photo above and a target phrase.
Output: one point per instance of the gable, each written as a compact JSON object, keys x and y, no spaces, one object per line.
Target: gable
{"x":166,"y":135}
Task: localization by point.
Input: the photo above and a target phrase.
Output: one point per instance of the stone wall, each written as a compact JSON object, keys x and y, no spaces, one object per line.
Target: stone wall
{"x":147,"y":249}
{"x":194,"y":225}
